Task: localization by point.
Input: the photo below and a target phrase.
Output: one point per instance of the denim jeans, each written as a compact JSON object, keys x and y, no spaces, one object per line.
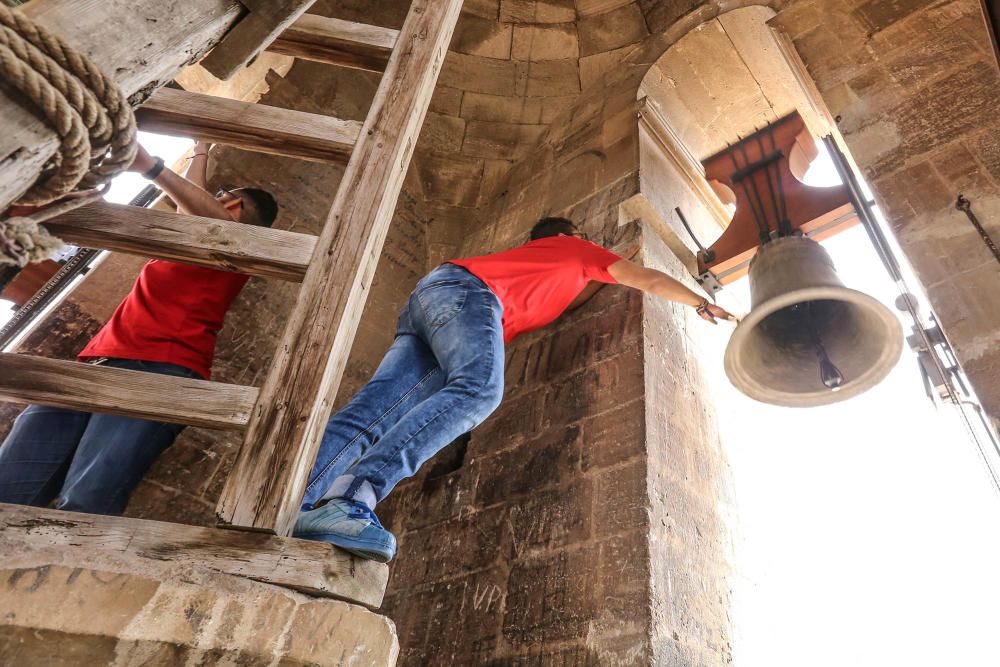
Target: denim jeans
{"x":441,"y":378}
{"x":88,"y":462}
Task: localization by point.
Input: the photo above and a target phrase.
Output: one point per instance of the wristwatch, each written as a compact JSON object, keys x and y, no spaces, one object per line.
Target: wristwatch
{"x":155,"y":170}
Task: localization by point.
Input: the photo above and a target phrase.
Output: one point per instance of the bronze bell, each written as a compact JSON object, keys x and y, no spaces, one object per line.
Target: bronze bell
{"x":808,"y":340}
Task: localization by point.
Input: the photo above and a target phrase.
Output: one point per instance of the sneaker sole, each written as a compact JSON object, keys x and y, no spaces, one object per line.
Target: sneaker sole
{"x":363,"y":548}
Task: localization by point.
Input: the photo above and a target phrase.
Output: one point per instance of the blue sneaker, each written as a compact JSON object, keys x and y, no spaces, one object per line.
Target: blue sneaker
{"x":349,"y":525}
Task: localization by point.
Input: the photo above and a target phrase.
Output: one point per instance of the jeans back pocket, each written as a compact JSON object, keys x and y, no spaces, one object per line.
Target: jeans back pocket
{"x":442,"y":300}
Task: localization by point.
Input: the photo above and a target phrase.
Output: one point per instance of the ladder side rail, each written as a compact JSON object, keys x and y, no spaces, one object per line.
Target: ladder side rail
{"x":268,"y":480}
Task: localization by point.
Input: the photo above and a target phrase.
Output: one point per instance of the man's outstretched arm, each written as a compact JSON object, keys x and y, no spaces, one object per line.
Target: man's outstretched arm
{"x":663,"y":286}
{"x":189,"y":197}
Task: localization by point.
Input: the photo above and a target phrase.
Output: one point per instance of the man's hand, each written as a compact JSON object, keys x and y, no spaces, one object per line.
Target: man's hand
{"x":711,"y":313}
{"x":143,"y":161}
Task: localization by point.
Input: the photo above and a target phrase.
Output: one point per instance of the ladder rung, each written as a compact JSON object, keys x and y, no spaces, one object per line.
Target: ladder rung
{"x":217,"y":244}
{"x":337,"y":42}
{"x":69,"y":384}
{"x":254,"y":127}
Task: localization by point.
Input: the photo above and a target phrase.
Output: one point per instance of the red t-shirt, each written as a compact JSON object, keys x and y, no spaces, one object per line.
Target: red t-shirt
{"x":172,"y":315}
{"x":536,"y":282}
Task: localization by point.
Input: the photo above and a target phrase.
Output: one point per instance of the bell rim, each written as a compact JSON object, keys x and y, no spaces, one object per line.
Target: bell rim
{"x":878,"y":372}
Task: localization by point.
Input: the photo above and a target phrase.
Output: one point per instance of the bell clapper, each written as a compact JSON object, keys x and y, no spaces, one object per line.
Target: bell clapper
{"x":829,"y":374}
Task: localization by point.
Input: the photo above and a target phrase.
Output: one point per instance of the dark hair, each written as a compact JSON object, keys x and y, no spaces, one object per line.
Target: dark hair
{"x":547,"y":227}
{"x":265,"y":209}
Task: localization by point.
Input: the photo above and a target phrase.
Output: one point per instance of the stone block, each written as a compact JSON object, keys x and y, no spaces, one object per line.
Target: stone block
{"x":478,"y":74}
{"x":548,"y":600}
{"x":442,"y":133}
{"x":878,"y":15}
{"x":586,"y":8}
{"x":552,"y":518}
{"x":623,"y":505}
{"x":537,"y":11}
{"x":612,"y":29}
{"x":487,"y":9}
{"x":530,"y":467}
{"x":501,"y":109}
{"x":614,"y":437}
{"x":507,"y":141}
{"x":99,"y":611}
{"x":552,"y":78}
{"x":454,"y":179}
{"x":515,"y":420}
{"x":452,"y":548}
{"x":594,"y":390}
{"x":545,"y":42}
{"x":478,"y":36}
{"x":447,"y":101}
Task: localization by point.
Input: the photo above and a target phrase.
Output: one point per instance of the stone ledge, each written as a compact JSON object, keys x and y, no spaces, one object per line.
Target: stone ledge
{"x":78,"y":606}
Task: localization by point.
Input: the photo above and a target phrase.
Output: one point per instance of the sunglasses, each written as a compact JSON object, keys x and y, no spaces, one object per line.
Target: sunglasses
{"x":236,"y":200}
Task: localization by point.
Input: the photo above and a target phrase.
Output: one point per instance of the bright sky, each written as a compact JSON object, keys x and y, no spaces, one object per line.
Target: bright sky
{"x":866,"y":530}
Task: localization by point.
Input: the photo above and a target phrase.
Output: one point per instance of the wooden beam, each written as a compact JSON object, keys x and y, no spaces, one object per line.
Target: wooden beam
{"x":216,"y":244}
{"x":266,"y":20}
{"x":311,"y":567}
{"x":265,"y":488}
{"x":140,"y":44}
{"x":116,"y":391}
{"x":337,"y":42}
{"x":255,"y":127}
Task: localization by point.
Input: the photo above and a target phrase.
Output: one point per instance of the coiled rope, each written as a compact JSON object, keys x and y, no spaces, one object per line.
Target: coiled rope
{"x":89,"y":113}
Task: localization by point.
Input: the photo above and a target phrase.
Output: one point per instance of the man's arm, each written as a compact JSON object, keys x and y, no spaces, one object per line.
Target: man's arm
{"x":593,"y":287}
{"x":198,"y":164}
{"x":189,"y":198}
{"x":663,"y":286}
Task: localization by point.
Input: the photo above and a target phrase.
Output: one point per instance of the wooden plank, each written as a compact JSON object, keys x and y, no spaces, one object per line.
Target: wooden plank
{"x":311,"y":567}
{"x":255,"y":127}
{"x":69,"y":384}
{"x":337,"y":42}
{"x":140,"y":44}
{"x":266,"y":20}
{"x":265,"y":488}
{"x":216,"y":244}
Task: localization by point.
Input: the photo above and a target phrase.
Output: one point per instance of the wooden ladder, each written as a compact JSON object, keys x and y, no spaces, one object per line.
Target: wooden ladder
{"x":283,"y":420}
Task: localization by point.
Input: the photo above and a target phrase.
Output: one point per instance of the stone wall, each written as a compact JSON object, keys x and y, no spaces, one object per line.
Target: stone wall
{"x":74,"y":607}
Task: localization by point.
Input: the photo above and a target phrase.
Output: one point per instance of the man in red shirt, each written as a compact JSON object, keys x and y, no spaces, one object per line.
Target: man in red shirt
{"x":167,"y":324}
{"x":443,"y":374}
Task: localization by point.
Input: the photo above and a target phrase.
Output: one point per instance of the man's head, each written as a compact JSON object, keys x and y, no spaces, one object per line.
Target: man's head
{"x":251,"y":206}
{"x":547,"y":227}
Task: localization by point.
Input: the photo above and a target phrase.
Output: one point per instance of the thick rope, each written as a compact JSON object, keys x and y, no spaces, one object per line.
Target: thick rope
{"x":91,"y":116}
{"x":24,"y":240}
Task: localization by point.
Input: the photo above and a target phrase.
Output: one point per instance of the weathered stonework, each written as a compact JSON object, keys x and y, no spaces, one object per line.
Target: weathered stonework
{"x":66,"y":608}
{"x":585,"y":522}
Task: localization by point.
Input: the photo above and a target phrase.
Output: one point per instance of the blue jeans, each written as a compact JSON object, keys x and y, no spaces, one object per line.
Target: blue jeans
{"x":88,"y":462}
{"x":441,"y":378}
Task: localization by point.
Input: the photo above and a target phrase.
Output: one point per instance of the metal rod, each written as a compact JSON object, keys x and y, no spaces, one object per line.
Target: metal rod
{"x":770,"y":187}
{"x":965,"y":206}
{"x":706,"y":254}
{"x":783,"y":219}
{"x":884,"y":251}
{"x":763,"y":232}
{"x":763,"y":225}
